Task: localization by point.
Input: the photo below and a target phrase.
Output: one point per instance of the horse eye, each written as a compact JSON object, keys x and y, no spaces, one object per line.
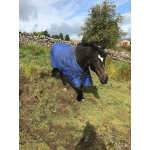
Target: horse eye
{"x":95,"y":59}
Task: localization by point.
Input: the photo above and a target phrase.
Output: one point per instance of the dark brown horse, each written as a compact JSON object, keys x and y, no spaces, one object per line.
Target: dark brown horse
{"x":74,"y":63}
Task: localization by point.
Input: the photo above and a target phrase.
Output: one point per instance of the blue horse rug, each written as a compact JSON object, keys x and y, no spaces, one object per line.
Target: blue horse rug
{"x":63,"y":58}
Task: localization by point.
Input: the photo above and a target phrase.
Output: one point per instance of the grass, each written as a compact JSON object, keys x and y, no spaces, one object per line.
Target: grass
{"x":52,"y":119}
{"x":118,"y":69}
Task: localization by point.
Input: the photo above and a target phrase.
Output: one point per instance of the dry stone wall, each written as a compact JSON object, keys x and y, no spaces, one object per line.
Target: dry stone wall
{"x":116,"y":55}
{"x":29,"y":38}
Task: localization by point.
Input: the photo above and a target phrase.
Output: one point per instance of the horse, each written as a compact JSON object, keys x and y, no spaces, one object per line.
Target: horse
{"x":75,"y":62}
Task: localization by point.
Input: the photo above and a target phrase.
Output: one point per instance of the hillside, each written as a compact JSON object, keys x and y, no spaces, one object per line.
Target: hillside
{"x":52,"y":119}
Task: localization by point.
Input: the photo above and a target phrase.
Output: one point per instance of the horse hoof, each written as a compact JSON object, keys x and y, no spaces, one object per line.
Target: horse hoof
{"x":81,"y":100}
{"x":64,"y":89}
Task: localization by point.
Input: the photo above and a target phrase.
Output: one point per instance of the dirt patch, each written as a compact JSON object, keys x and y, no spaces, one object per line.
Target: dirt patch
{"x":52,"y":135}
{"x":23,"y":80}
{"x":22,"y":124}
{"x":23,"y":84}
{"x":65,"y":101}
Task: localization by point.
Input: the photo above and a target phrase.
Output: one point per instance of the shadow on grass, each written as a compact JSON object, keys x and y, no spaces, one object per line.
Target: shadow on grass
{"x":89,"y":141}
{"x":92,"y":89}
{"x":89,"y":89}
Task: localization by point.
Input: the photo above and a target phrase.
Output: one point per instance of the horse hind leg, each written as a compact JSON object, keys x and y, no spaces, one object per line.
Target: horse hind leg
{"x":63,"y":81}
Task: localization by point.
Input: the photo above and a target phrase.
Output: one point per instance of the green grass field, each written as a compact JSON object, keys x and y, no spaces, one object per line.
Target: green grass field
{"x":52,"y":119}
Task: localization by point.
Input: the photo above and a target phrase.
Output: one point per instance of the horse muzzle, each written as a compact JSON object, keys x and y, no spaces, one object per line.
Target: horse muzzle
{"x":103,"y":80}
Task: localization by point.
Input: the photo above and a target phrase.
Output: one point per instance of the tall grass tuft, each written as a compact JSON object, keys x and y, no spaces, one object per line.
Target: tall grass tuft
{"x":111,"y":68}
{"x":32,"y":71}
{"x":35,"y":49}
{"x":119,"y":70}
{"x":124,"y":69}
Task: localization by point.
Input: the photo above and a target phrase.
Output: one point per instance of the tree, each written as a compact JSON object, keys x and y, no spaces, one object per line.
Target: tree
{"x":55,"y":36}
{"x":61,"y":36}
{"x":46,"y":33}
{"x":67,"y":38}
{"x":84,"y":39}
{"x":101,"y":25}
{"x":41,"y":33}
{"x":35,"y":33}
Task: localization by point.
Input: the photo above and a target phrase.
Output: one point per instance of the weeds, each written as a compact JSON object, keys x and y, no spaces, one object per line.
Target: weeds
{"x":34,"y":49}
{"x":111,"y":68}
{"x":119,"y":70}
{"x":32,"y":71}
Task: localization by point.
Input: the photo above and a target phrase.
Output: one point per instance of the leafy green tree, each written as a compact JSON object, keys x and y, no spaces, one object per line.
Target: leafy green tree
{"x":101,"y":25}
{"x":35,"y":33}
{"x":61,"y":36}
{"x":55,"y":36}
{"x":46,"y":33}
{"x":84,"y":39}
{"x":67,"y":38}
{"x":41,"y":33}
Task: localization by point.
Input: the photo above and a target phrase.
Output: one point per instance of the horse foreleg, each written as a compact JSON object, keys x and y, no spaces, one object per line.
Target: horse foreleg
{"x":63,"y":81}
{"x":80,"y":94}
{"x":54,"y":72}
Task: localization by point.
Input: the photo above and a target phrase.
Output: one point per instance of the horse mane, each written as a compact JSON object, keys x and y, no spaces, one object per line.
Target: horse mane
{"x":94,"y":47}
{"x":85,"y":44}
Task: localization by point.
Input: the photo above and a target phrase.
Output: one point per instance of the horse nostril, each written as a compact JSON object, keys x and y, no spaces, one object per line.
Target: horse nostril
{"x":104,"y":80}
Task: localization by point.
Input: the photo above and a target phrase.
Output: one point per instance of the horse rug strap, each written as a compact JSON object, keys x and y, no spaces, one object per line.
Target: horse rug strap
{"x":63,"y":58}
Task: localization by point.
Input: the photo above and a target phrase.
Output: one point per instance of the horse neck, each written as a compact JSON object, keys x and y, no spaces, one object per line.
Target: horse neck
{"x":83,"y":57}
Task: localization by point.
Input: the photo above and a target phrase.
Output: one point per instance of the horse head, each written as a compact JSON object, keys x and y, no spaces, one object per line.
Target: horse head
{"x":97,"y":63}
{"x":88,"y":54}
